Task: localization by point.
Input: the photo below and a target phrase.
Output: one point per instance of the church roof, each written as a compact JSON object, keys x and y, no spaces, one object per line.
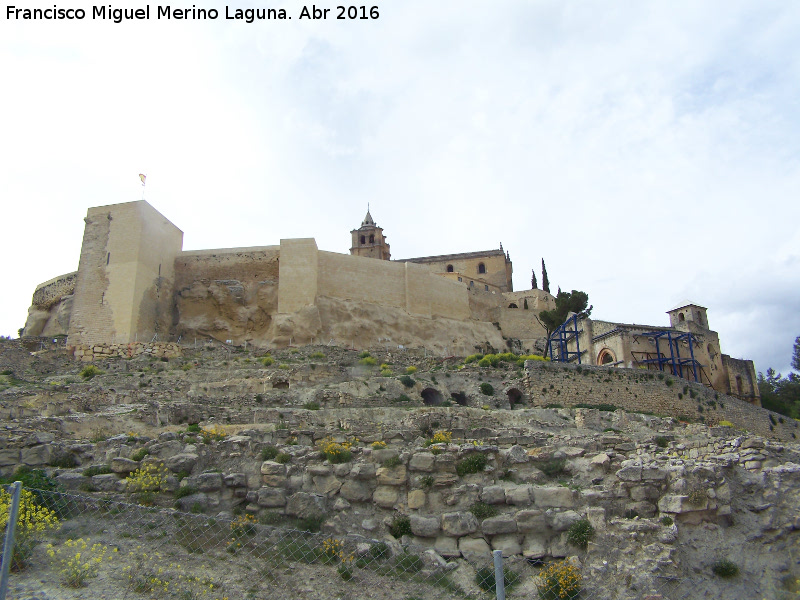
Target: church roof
{"x":684,"y":304}
{"x":367,"y":220}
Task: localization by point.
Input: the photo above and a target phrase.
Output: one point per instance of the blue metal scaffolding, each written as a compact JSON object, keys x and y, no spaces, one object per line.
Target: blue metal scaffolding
{"x":688,"y":368}
{"x":559,"y":340}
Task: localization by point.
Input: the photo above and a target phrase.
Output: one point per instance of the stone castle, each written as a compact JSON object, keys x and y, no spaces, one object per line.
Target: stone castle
{"x":135,"y":283}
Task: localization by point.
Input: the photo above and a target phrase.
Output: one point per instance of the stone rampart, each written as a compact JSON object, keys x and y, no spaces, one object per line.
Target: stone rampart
{"x":50,"y":292}
{"x":92,"y":352}
{"x":569,"y":385}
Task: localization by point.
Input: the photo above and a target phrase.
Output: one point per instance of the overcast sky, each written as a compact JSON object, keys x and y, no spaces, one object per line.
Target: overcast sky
{"x":649,"y":151}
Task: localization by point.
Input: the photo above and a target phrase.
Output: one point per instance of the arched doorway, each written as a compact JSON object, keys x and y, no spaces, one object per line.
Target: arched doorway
{"x":515,"y":397}
{"x":432,"y":397}
{"x":460,"y":398}
{"x":606,"y":357}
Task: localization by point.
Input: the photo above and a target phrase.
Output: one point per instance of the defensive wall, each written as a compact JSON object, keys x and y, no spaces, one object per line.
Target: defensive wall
{"x":51,"y":292}
{"x":640,"y":390}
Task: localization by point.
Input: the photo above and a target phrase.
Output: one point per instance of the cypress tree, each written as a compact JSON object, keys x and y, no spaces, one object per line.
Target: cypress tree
{"x":545,"y":280}
{"x":533,"y":280}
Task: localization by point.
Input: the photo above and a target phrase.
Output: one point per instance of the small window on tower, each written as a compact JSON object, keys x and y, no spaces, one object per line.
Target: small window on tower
{"x":363,"y":239}
{"x":449,"y":268}
{"x":481,"y":268}
{"x":371,"y":239}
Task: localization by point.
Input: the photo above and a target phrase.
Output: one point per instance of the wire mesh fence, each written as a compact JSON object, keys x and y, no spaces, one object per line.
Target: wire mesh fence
{"x":68,"y":545}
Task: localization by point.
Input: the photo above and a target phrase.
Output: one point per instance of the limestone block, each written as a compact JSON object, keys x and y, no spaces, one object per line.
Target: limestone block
{"x":363,"y":471}
{"x":516,"y":454}
{"x":459,"y":523}
{"x":559,"y":548}
{"x":193,"y":502}
{"x":105,"y":483}
{"x":653,"y":473}
{"x":444,"y":479}
{"x":508,"y":543}
{"x":182,"y":462}
{"x":369,"y":524}
{"x":318,"y":470}
{"x":561,"y":520}
{"x":493,"y":494}
{"x":553,"y":497}
{"x":9,"y":456}
{"x":601,"y":461}
{"x":671,"y":503}
{"x":445,"y":463}
{"x":519,"y":495}
{"x":207,"y":482}
{"x":385,"y":496}
{"x":422,"y":461}
{"x":39,"y":437}
{"x":123,"y":465}
{"x":424,"y":526}
{"x":235,"y":480}
{"x":327,"y":486}
{"x":447,"y":547}
{"x":392,"y":476}
{"x":534,"y":546}
{"x":474,"y":549}
{"x":166,"y":449}
{"x":596,"y":515}
{"x":356,"y":491}
{"x":530,"y":520}
{"x":498,"y":525}
{"x":342,"y":470}
{"x":305,"y":505}
{"x":271,"y":497}
{"x":573,"y":451}
{"x":382,"y":455}
{"x":630,"y":471}
{"x":416,"y":499}
{"x":341,"y":504}
{"x":71,"y":480}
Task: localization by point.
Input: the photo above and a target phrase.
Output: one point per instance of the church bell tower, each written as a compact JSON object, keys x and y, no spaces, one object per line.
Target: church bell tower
{"x":369,"y":241}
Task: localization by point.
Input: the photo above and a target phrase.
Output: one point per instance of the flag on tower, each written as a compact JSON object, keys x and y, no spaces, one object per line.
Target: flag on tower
{"x":142,"y":177}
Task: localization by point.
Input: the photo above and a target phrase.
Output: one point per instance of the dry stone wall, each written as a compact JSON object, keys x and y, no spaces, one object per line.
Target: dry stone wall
{"x":558,"y":384}
{"x":95,"y":352}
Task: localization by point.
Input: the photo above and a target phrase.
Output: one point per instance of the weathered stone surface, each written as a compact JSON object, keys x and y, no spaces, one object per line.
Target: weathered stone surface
{"x":385,"y":496}
{"x":474,"y":548}
{"x":459,"y":523}
{"x":182,"y":462}
{"x":518,"y":495}
{"x":356,"y":491}
{"x":9,"y":456}
{"x":72,"y":480}
{"x":43,"y":437}
{"x":327,"y":486}
{"x":654,"y":473}
{"x":516,"y":455}
{"x":235,"y":480}
{"x":561,"y":520}
{"x":553,"y":497}
{"x":269,"y":467}
{"x":305,"y":505}
{"x":106,"y":482}
{"x":422,"y":461}
{"x":601,"y":461}
{"x":193,"y":502}
{"x":363,"y":471}
{"x":630,"y":471}
{"x":534,"y":546}
{"x":36,"y":455}
{"x":493,"y":494}
{"x":391,"y":476}
{"x":447,"y":546}
{"x":423,"y":526}
{"x":322,"y":470}
{"x":341,"y":504}
{"x":499,"y":524}
{"x":671,"y":503}
{"x":207,"y":482}
{"x":530,"y":520}
{"x":123,"y":465}
{"x":271,"y":497}
{"x":416,"y":499}
{"x":166,"y":449}
{"x":508,"y":543}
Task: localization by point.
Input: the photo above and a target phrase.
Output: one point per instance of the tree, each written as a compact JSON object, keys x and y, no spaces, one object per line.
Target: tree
{"x":796,"y":354}
{"x":533,"y":280}
{"x":566,"y":302}
{"x":780,"y":394}
{"x":545,"y":280}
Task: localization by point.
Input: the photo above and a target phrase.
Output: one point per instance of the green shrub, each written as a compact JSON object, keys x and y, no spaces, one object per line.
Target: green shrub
{"x":426,"y":481}
{"x":64,"y":461}
{"x":668,"y":382}
{"x":311,"y":524}
{"x":368,"y":361}
{"x":184,"y":491}
{"x":579,"y":533}
{"x":559,"y":581}
{"x":283,"y":458}
{"x":392,"y":462}
{"x":267,"y":361}
{"x":90,"y":371}
{"x":402,"y":398}
{"x":552,"y":467}
{"x":140,"y":454}
{"x":666,"y":520}
{"x":364,"y":354}
{"x":311,"y":406}
{"x":97,"y":470}
{"x":487,"y":389}
{"x":400,"y":526}
{"x":485,"y":362}
{"x":472,"y":358}
{"x":409,"y":563}
{"x":483,"y":511}
{"x":317,"y":355}
{"x":269,"y":453}
{"x":484,"y":578}
{"x":725,"y":568}
{"x":661,"y":441}
{"x":411,"y":370}
{"x":380,"y":551}
{"x":406,"y":381}
{"x":193,"y":428}
{"x":474,"y":463}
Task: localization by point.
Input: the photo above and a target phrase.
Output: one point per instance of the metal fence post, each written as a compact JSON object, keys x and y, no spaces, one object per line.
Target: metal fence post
{"x":8,"y":546}
{"x":499,"y":580}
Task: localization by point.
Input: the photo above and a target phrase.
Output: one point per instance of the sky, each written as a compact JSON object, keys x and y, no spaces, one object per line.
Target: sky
{"x":648,"y":151}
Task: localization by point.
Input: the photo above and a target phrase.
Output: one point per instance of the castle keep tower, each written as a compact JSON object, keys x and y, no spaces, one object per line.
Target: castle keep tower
{"x":369,"y":241}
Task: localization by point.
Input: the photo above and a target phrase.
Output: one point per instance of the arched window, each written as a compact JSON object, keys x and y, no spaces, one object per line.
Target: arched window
{"x":605,"y":357}
{"x":371,"y":239}
{"x":681,"y":317}
{"x":512,"y":305}
{"x":481,"y":268}
{"x":449,"y":268}
{"x":363,"y":239}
